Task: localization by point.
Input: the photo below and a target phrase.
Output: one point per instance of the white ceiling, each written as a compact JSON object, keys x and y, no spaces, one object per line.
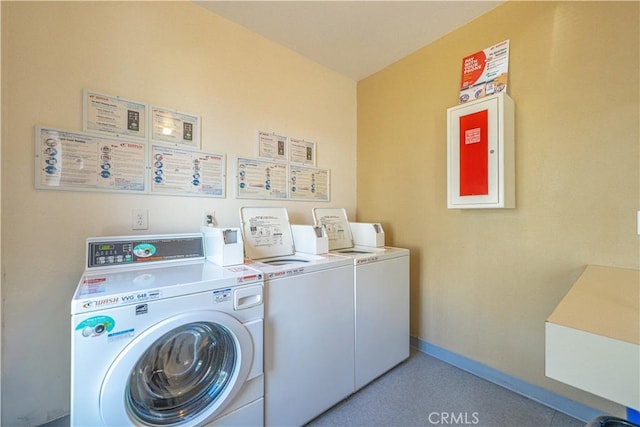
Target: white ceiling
{"x":354,"y":38}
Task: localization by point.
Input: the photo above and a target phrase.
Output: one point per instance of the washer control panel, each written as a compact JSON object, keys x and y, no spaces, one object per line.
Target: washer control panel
{"x":129,"y":250}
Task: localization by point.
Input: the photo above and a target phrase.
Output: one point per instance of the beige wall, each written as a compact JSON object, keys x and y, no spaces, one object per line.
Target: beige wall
{"x":1,"y":298}
{"x":484,"y":281}
{"x":173,"y":54}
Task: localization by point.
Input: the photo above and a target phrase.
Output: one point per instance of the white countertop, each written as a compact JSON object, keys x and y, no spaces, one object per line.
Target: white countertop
{"x":603,"y":301}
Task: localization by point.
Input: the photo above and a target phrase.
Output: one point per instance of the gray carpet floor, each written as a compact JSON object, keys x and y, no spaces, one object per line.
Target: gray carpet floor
{"x":425,"y":391}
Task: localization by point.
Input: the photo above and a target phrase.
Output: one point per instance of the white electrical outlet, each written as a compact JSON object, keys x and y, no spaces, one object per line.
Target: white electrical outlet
{"x":209,"y":218}
{"x":139,"y":219}
{"x":638,"y":223}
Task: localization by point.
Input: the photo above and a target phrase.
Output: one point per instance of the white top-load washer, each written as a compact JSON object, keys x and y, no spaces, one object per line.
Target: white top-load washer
{"x":381,"y":292}
{"x":309,"y":337}
{"x":162,"y":337}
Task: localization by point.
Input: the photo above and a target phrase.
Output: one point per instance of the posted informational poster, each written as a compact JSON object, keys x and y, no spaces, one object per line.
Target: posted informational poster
{"x":174,"y":127}
{"x":485,"y":73}
{"x":261,"y":179}
{"x":187,"y":173}
{"x":308,"y":184}
{"x":77,"y":161}
{"x":272,"y":146}
{"x":114,"y":116}
{"x":301,"y":151}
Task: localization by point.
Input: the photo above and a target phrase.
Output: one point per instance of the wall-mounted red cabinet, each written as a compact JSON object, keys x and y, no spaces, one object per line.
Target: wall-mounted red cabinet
{"x":481,"y":154}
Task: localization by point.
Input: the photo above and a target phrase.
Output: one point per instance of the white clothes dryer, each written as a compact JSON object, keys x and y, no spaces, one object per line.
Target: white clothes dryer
{"x":309,"y":337}
{"x":381,"y":295}
{"x":162,"y":337}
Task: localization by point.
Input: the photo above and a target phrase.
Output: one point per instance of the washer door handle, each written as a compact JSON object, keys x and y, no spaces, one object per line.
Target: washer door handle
{"x":247,"y":297}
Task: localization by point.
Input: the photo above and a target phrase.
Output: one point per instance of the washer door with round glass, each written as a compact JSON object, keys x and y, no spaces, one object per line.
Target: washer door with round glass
{"x":182,"y":371}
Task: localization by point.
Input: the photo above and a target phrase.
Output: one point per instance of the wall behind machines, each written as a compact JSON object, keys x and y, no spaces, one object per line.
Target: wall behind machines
{"x":484,"y":281}
{"x":173,"y":54}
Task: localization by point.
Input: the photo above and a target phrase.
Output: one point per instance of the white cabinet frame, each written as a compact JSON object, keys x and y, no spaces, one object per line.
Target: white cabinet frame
{"x":481,"y":154}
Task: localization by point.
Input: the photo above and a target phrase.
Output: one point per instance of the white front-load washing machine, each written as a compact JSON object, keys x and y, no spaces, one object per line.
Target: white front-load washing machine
{"x":162,"y":337}
{"x":309,"y":336}
{"x":381,"y":292}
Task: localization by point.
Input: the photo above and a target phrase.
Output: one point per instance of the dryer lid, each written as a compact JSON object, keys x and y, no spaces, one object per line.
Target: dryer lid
{"x":337,"y":226}
{"x":266,"y":232}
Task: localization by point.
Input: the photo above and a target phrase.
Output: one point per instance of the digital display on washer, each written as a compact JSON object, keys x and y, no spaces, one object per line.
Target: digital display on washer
{"x":133,"y":251}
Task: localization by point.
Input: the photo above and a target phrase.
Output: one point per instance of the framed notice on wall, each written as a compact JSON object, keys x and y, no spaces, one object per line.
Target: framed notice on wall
{"x":301,"y":151}
{"x":66,"y":160}
{"x":174,"y":127}
{"x":183,"y":172}
{"x":114,"y":116}
{"x":309,"y":184}
{"x":272,"y":146}
{"x":261,"y":179}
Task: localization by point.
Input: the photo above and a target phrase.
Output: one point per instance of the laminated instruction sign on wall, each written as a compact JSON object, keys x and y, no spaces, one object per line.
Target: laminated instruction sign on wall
{"x":175,"y":127}
{"x":114,"y":116}
{"x":261,"y":179}
{"x":309,"y":184}
{"x":485,"y":73}
{"x":187,"y":172}
{"x":301,"y":151}
{"x":272,"y":146}
{"x":77,"y":161}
